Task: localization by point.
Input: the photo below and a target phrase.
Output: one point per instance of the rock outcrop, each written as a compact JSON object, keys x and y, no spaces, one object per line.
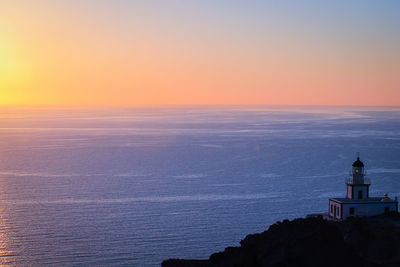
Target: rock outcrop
{"x":368,"y":241}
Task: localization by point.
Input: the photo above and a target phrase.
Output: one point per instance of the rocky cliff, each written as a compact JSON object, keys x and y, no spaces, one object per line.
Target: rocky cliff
{"x":368,"y":241}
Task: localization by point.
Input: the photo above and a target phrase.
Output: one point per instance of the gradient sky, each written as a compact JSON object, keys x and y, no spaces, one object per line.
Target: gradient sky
{"x":245,"y":52}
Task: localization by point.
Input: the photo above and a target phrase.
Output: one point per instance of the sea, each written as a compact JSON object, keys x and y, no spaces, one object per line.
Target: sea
{"x":136,"y":186}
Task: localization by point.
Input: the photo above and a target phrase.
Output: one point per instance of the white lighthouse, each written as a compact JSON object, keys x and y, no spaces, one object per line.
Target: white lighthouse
{"x":357,"y":185}
{"x":357,"y":201}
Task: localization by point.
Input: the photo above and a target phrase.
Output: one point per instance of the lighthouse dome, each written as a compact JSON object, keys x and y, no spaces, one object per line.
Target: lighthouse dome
{"x":358,"y":163}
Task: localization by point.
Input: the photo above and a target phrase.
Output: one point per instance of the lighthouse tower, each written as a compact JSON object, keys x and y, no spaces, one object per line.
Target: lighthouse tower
{"x":357,"y":185}
{"x":357,"y":201}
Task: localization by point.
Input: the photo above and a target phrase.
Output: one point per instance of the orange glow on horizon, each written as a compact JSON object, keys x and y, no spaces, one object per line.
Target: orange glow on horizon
{"x":56,"y":56}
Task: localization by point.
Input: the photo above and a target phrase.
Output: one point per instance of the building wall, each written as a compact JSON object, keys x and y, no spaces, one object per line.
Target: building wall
{"x":369,"y":209}
{"x":356,"y":188}
{"x":335,"y":210}
{"x":349,"y":192}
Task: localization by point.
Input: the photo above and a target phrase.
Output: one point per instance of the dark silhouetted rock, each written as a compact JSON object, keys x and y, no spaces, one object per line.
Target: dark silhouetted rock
{"x":368,"y":241}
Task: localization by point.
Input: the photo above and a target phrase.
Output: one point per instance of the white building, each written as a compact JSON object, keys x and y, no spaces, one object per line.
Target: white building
{"x":357,"y":201}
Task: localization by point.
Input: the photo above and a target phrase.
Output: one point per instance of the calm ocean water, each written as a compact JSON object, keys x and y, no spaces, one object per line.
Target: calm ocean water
{"x":136,"y":186}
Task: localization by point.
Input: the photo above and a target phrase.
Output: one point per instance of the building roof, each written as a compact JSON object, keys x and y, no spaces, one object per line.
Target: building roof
{"x":358,"y":163}
{"x":369,"y":200}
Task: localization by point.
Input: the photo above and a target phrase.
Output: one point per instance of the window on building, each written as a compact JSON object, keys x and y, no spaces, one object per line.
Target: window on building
{"x":337,"y":212}
{"x":360,"y":194}
{"x":331,"y":208}
{"x":387,"y":209}
{"x":352,"y":211}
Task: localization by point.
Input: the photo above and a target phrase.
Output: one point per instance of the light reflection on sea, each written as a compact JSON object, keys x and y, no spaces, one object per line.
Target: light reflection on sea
{"x":136,"y":186}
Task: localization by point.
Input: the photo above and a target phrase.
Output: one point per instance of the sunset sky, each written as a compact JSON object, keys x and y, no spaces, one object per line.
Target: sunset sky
{"x":206,"y":52}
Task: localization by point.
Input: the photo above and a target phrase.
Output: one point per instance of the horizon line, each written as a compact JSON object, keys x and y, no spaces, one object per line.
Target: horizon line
{"x":91,"y":106}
